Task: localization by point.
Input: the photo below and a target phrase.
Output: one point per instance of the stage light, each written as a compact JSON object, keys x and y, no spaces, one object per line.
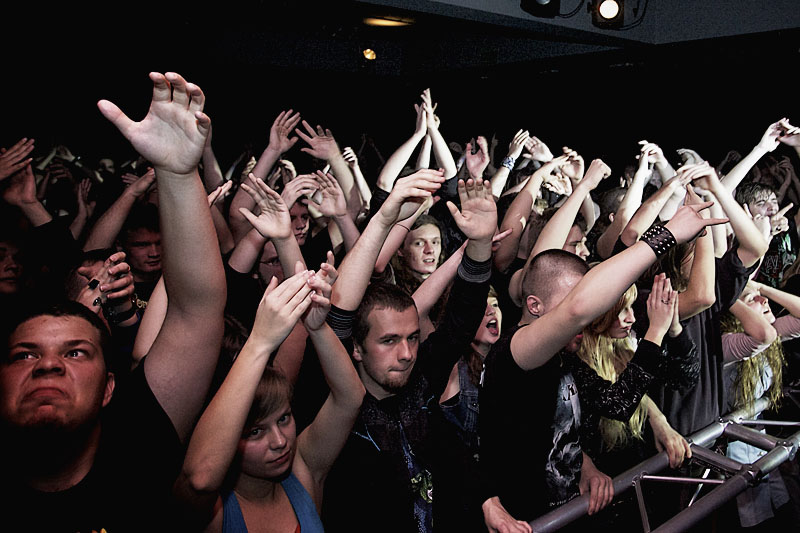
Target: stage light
{"x":608,"y":14}
{"x":369,"y":54}
{"x":387,"y":22}
{"x":541,"y":8}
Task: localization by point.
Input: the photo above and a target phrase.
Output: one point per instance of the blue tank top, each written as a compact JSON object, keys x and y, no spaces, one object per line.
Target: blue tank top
{"x":304,"y":509}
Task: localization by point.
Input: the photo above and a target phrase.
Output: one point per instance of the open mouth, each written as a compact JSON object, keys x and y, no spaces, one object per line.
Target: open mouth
{"x":492,"y":326}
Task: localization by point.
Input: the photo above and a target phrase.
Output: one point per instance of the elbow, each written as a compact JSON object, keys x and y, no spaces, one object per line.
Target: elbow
{"x":198,"y":480}
{"x":629,"y":236}
{"x":765,"y":335}
{"x":706,"y":300}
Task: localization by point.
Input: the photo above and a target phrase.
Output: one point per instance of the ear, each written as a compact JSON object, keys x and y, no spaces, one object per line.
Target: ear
{"x":357,"y":353}
{"x":534,"y":305}
{"x":110,"y":383}
{"x":611,"y":217}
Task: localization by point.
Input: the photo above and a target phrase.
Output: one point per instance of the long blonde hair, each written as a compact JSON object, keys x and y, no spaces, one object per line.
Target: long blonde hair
{"x":748,"y":371}
{"x":609,"y":357}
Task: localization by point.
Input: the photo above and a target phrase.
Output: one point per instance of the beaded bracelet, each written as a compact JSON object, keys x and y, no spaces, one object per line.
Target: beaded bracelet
{"x":508,"y":162}
{"x":660,"y":239}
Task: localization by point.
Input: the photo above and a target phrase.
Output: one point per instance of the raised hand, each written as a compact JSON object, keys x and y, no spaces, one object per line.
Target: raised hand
{"x":771,"y":138}
{"x":282,"y":127}
{"x":320,"y":283}
{"x":140,"y":185}
{"x":15,"y":158}
{"x":790,"y":134}
{"x":537,"y":150}
{"x":687,"y":222}
{"x":651,"y":152}
{"x":273,"y":220}
{"x":689,"y":156}
{"x":218,"y":194}
{"x":321,"y":142}
{"x":407,"y":195}
{"x":280,"y":309}
{"x":302,"y":185}
{"x":431,"y":120}
{"x":517,"y":144}
{"x":573,"y":168}
{"x":778,"y":222}
{"x":82,"y":195}
{"x":21,"y":189}
{"x":661,"y":304}
{"x":478,"y":216}
{"x":173,"y":134}
{"x":288,"y":172}
{"x":350,"y":156}
{"x":332,"y":202}
{"x":477,"y":157}
{"x":763,"y":223}
{"x":597,"y":172}
{"x":111,"y":280}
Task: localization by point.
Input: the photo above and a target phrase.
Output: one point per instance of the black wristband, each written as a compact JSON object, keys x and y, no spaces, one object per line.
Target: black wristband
{"x":115,"y":317}
{"x":660,"y":239}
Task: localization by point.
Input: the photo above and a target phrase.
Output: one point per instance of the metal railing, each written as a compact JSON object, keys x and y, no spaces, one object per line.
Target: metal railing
{"x":742,"y":476}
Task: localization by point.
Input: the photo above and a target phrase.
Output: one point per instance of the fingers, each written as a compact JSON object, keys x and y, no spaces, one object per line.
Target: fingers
{"x":115,"y":115}
{"x":180,"y":94}
{"x":783,"y":211}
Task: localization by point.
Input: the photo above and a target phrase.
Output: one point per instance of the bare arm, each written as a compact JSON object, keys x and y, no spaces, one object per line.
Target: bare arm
{"x":444,"y":158}
{"x":183,"y":357}
{"x":394,"y":165}
{"x":514,"y":151}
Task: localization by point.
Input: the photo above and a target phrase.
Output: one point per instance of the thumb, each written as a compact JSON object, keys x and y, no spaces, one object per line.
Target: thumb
{"x":454,"y":210}
{"x":299,"y":267}
{"x":115,"y":115}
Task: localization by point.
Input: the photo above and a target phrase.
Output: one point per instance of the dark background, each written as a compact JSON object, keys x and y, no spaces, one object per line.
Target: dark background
{"x":254,"y":59}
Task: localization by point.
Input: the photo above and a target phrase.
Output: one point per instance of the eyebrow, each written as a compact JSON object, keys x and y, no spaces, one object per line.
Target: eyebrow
{"x":72,"y":343}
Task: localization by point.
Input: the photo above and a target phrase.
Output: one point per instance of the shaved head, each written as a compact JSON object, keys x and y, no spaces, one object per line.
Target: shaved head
{"x":550,"y":273}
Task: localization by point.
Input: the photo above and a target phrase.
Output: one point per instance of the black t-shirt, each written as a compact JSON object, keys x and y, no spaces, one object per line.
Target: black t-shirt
{"x":690,"y":410}
{"x":129,"y":485}
{"x":529,"y":432}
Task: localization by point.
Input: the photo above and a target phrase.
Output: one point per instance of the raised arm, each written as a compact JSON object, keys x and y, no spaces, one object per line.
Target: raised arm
{"x":108,"y":226}
{"x":752,"y":244}
{"x":279,"y":143}
{"x":534,"y":344}
{"x":627,"y":207}
{"x":322,"y":145}
{"x":21,"y":192}
{"x":216,"y":437}
{"x":320,"y":443}
{"x":647,"y":213}
{"x":332,"y":204}
{"x":183,"y":357}
{"x":272,"y":223}
{"x":514,"y":151}
{"x":364,"y":190}
{"x":358,"y":264}
{"x":699,"y":294}
{"x":768,"y":143}
{"x":442,"y":153}
{"x":394,"y":165}
{"x":212,"y":173}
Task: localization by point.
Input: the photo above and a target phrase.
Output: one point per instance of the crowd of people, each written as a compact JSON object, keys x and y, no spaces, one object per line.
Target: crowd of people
{"x":464,"y":341}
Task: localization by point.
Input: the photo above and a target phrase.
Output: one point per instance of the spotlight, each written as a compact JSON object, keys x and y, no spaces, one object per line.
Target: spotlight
{"x":369,"y":54}
{"x":541,"y":8}
{"x":608,"y":14}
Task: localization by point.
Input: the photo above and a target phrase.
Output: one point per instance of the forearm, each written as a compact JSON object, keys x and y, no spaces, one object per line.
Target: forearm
{"x":397,"y":161}
{"x":152,"y":320}
{"x":554,"y":234}
{"x":108,"y":226}
{"x":588,"y":212}
{"x":224,"y":235}
{"x":237,"y":222}
{"x":732,"y":179}
{"x":193,"y":273}
{"x":36,"y":213}
{"x":700,"y":293}
{"x":357,"y":266}
{"x":424,"y":154}
{"x":647,"y":213}
{"x":247,"y":252}
{"x":515,"y":219}
{"x":78,"y":224}
{"x":346,"y":388}
{"x":216,"y":437}
{"x":442,"y":153}
{"x":673,"y":203}
{"x":429,"y":292}
{"x":212,"y":173}
{"x":265,"y":163}
{"x":499,"y":180}
{"x":752,"y":244}
{"x":348,"y":229}
{"x":344,"y":177}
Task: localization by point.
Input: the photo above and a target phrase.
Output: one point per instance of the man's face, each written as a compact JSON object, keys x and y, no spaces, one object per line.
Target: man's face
{"x":301,"y":222}
{"x":10,"y":268}
{"x":389,"y":351}
{"x":766,"y":205}
{"x":143,"y":252}
{"x":576,"y":243}
{"x":54,"y":375}
{"x":421,"y":249}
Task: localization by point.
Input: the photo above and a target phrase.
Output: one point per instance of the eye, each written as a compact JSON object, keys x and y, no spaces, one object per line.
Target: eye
{"x":72,"y":354}
{"x":254,"y":432}
{"x":413,"y":338}
{"x":21,"y":356}
{"x":388,"y":342}
{"x":285,"y":419}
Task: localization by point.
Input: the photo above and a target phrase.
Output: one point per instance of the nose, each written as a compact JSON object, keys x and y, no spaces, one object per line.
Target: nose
{"x":277,"y":440}
{"x":583,"y":250}
{"x":428,"y":248}
{"x":11,"y":265}
{"x":404,"y":352}
{"x":490,"y":311}
{"x":154,"y":250}
{"x":49,"y":364}
{"x":630,"y":318}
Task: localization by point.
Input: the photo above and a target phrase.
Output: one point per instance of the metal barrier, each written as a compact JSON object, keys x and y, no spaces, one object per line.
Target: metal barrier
{"x":742,"y":475}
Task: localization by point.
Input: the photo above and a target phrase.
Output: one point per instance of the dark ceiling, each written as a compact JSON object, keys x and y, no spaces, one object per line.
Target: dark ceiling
{"x":686,"y":72}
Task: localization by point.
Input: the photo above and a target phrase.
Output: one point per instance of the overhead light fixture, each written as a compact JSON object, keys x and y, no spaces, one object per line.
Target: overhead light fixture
{"x":608,"y":14}
{"x":541,"y":8}
{"x":369,"y":54}
{"x":388,"y":22}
